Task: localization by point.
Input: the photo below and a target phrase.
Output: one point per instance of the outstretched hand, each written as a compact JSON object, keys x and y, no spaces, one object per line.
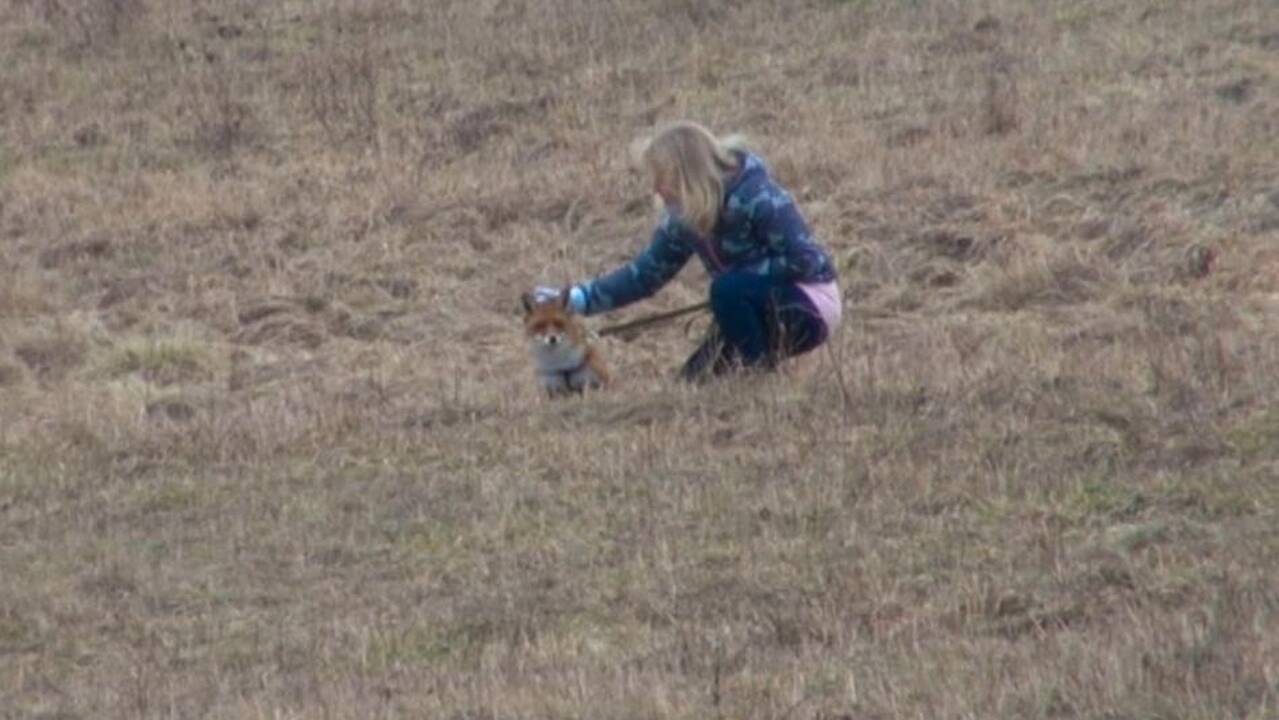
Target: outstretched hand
{"x":542,"y":293}
{"x":571,"y":295}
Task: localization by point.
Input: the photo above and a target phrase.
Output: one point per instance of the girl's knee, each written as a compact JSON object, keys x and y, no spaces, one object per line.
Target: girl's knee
{"x":725,"y":286}
{"x":735,"y":288}
{"x":725,"y":293}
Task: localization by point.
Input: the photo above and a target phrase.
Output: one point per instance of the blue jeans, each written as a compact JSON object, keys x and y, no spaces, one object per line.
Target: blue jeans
{"x":758,"y":323}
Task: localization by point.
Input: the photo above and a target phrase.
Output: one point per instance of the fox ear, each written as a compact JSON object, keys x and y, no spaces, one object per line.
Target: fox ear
{"x":527,"y":302}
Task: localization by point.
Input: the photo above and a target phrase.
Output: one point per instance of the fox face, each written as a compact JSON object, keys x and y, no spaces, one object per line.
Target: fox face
{"x":548,"y":323}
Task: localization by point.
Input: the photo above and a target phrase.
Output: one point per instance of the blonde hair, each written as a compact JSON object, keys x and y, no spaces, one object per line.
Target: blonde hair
{"x":693,"y":162}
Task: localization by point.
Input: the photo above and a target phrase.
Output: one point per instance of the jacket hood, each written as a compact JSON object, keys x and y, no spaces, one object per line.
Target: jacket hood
{"x":751,"y":169}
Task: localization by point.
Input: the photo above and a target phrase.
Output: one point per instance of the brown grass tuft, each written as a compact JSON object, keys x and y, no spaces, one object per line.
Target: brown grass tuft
{"x":52,"y":354}
{"x":11,"y":373}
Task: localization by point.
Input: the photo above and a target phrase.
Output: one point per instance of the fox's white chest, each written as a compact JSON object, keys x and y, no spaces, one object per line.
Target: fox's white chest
{"x":561,"y":367}
{"x":553,"y":353}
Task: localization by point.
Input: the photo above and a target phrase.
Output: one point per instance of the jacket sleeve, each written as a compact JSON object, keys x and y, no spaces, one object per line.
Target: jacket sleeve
{"x":644,"y":275}
{"x":793,"y":254}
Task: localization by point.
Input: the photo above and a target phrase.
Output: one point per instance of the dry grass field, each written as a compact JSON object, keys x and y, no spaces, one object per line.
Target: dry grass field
{"x":270,"y":445}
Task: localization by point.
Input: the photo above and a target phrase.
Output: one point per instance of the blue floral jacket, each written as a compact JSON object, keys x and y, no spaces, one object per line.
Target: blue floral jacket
{"x":760,"y":230}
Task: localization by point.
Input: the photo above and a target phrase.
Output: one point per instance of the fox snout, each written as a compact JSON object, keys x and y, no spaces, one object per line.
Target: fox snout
{"x":548,"y":335}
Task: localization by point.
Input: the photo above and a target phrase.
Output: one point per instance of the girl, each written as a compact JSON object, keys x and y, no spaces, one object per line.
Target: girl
{"x":773,"y":291}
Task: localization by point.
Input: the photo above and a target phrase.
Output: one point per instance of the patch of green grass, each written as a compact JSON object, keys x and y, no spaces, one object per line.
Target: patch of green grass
{"x":11,"y":374}
{"x":171,"y":496}
{"x":17,"y":633}
{"x":73,"y":160}
{"x":16,"y":481}
{"x":34,"y":39}
{"x":1127,"y":537}
{"x":53,"y":353}
{"x":162,"y":362}
{"x":1257,"y":438}
{"x":8,"y":162}
{"x":419,"y":646}
{"x":1224,"y":495}
{"x":1102,"y":499}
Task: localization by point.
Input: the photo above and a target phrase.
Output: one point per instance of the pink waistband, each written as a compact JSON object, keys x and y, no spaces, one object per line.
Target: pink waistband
{"x":825,"y":297}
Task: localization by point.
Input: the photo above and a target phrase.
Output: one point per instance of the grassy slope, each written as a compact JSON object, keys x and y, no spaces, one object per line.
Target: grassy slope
{"x":268,"y":440}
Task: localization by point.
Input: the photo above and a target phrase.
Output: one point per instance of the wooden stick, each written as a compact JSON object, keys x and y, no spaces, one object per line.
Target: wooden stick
{"x":644,"y":322}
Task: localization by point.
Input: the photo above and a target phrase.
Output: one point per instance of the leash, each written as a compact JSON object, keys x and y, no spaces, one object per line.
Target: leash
{"x":644,"y":322}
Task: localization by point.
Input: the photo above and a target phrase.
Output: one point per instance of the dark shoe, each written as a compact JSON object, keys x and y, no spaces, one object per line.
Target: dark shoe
{"x":711,"y":359}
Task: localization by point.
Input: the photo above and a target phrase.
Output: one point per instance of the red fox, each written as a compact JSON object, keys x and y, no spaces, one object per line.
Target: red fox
{"x":565,"y":361}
